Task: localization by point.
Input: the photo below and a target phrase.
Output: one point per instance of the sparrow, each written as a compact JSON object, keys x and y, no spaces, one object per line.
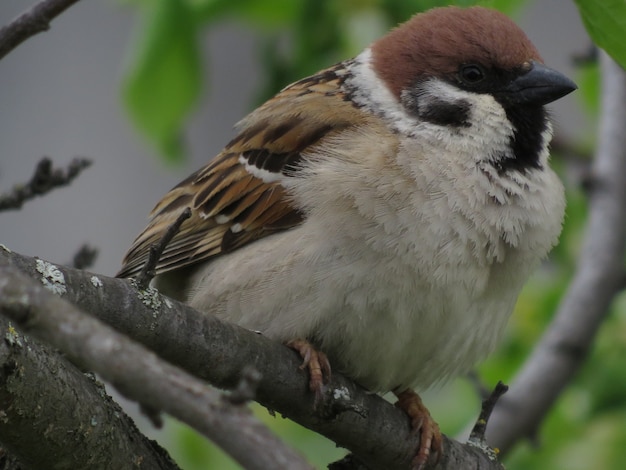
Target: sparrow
{"x":383,"y":214}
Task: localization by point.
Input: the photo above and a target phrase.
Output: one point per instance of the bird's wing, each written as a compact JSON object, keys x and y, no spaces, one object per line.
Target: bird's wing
{"x":238,"y":197}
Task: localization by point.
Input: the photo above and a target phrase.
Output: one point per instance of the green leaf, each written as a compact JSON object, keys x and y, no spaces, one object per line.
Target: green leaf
{"x":605,"y":21}
{"x":165,"y":77}
{"x":266,"y":13}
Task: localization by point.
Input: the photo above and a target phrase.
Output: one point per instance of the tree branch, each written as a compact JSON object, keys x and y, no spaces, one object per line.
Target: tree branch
{"x":140,"y":374}
{"x":9,"y":462}
{"x":598,"y":278}
{"x":373,"y":429}
{"x":35,"y":20}
{"x":73,"y":423}
{"x":43,"y":181}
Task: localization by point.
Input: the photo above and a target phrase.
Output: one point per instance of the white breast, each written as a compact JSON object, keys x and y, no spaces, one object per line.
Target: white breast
{"x":402,"y":282}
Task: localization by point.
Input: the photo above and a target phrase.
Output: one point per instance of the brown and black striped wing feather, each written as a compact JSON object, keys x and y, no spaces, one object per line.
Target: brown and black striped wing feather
{"x":231,"y":206}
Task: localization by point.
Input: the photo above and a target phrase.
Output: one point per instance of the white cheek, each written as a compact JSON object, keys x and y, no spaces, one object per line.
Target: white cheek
{"x":488,"y":135}
{"x":491,"y":123}
{"x":373,"y":94}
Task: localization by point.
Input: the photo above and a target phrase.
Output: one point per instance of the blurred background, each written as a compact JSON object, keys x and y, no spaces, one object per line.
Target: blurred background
{"x":78,"y":90}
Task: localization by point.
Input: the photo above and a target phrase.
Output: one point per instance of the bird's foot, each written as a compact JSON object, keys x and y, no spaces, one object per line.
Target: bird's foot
{"x":422,"y":422}
{"x":317,"y":363}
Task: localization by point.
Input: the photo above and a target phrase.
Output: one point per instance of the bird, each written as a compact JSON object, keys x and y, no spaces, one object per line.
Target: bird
{"x":382,"y":215}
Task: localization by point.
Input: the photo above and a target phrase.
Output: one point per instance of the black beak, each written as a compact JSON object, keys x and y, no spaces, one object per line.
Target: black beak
{"x":540,"y":85}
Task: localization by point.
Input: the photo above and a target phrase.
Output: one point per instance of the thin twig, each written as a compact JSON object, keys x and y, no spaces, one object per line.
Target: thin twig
{"x":33,"y":21}
{"x":488,"y":404}
{"x":586,"y":57}
{"x":152,"y":414}
{"x":149,"y":268}
{"x":349,"y":462}
{"x":570,"y":151}
{"x":85,"y":257}
{"x":43,"y":181}
{"x":246,"y":388}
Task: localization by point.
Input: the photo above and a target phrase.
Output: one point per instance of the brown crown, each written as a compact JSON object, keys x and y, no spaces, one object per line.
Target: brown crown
{"x":437,"y":42}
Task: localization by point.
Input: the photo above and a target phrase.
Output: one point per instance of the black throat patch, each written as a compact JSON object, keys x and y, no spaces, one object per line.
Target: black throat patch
{"x":527,"y":142}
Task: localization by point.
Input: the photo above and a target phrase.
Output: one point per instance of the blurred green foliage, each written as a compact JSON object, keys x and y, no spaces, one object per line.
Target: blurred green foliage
{"x":587,"y":427}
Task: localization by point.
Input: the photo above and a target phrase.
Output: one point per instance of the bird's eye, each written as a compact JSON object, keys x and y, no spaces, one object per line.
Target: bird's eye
{"x":471,"y":73}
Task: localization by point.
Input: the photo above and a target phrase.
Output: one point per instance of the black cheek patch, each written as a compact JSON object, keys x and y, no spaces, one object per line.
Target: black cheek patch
{"x":444,"y":113}
{"x":439,"y":112}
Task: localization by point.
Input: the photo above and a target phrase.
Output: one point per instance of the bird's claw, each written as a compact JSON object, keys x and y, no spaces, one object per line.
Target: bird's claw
{"x":431,"y":442}
{"x":317,"y":364}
